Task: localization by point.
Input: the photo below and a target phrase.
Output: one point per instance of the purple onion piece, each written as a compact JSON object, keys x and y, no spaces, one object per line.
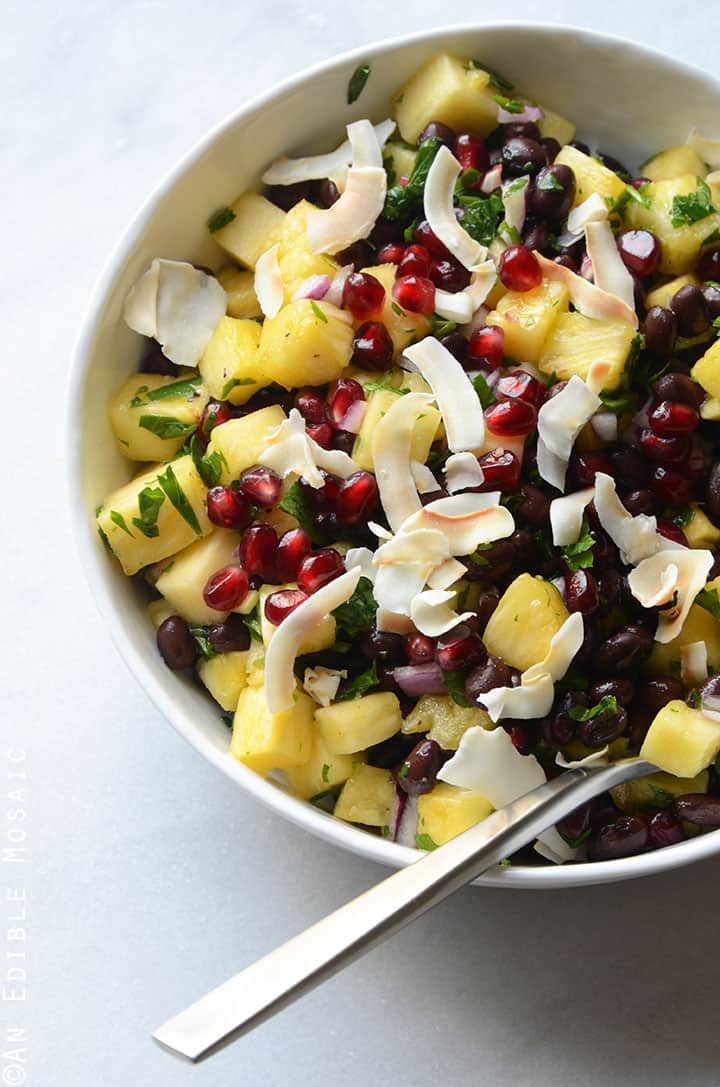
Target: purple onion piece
{"x":419,"y":679}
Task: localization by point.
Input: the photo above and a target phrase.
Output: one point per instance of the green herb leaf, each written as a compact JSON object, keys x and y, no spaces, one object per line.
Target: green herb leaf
{"x":662,"y":798}
{"x":619,"y":405}
{"x":575,"y":842}
{"x":709,"y":599}
{"x":233,"y":382}
{"x":549,"y":183}
{"x":403,"y":771}
{"x":455,"y":683}
{"x":579,"y":555}
{"x":137,"y":400}
{"x":693,"y":207}
{"x":485,"y":394}
{"x":324,"y":772}
{"x":318,"y":312}
{"x":357,"y":615}
{"x":254,"y":624}
{"x":164,"y":426}
{"x":119,"y":520}
{"x":209,"y":465}
{"x":712,"y":238}
{"x":357,"y":83}
{"x":389,"y":168}
{"x":150,"y":500}
{"x":186,"y":387}
{"x":408,"y":237}
{"x":495,"y":77}
{"x":683,"y":517}
{"x":403,"y":202}
{"x":511,"y":105}
{"x":510,"y":232}
{"x":440,"y":327}
{"x":424,"y":841}
{"x":694,"y":699}
{"x":482,"y":215}
{"x":384,"y":385}
{"x":607,"y":704}
{"x":203,"y":643}
{"x":168,"y":482}
{"x":296,"y":503}
{"x":220,"y":218}
{"x":360,"y":684}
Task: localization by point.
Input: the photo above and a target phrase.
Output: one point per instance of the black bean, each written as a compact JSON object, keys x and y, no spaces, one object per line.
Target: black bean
{"x":496,"y":561}
{"x":559,"y":727}
{"x":581,"y":146}
{"x":622,"y":690}
{"x":493,"y":672}
{"x":698,"y":808}
{"x":388,"y":754}
{"x":577,"y":823}
{"x":534,"y":509}
{"x":419,"y":770}
{"x":383,"y":646}
{"x":436,"y":130}
{"x":328,"y":193}
{"x":522,"y":156}
{"x":639,"y":502}
{"x":711,"y":294}
{"x":456,"y":344}
{"x":656,"y":691}
{"x":176,"y":643}
{"x":520,"y":130}
{"x":614,"y":164}
{"x":359,"y":254}
{"x":603,"y":729}
{"x":622,"y":838}
{"x":712,"y":493}
{"x":230,"y":636}
{"x":688,"y":305}
{"x":551,"y":147}
{"x":622,"y":652}
{"x":535,"y":236}
{"x":709,"y":266}
{"x":552,"y":193}
{"x":486,"y":604}
{"x":287,"y":196}
{"x":154,"y":362}
{"x":629,"y":469}
{"x":660,"y":331}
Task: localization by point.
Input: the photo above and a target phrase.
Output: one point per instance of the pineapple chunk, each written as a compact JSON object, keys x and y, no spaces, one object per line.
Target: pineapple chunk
{"x":239,"y":286}
{"x":699,"y":626}
{"x":255,"y":664}
{"x":681,"y":740}
{"x":183,"y":580}
{"x":449,"y":90}
{"x":577,"y":341}
{"x":710,"y":409}
{"x":267,"y":741}
{"x":700,"y":531}
{"x":402,"y":158}
{"x":241,"y":441}
{"x":230,"y":362}
{"x":173,"y":416}
{"x":555,"y":126}
{"x":661,"y":296}
{"x":706,"y":370}
{"x":655,"y":790}
{"x":225,"y":676}
{"x":443,"y":720}
{"x":590,"y":175}
{"x":297,"y":262}
{"x":404,"y":327}
{"x":379,"y":403}
{"x":674,"y":162}
{"x":321,"y":637}
{"x":680,"y":244}
{"x":256,"y":227}
{"x":322,"y":771}
{"x":447,"y":811}
{"x":158,"y":611}
{"x":530,"y":613}
{"x":307,"y":343}
{"x":128,"y":542}
{"x":367,"y":797}
{"x":347,"y":727}
{"x":527,"y":318}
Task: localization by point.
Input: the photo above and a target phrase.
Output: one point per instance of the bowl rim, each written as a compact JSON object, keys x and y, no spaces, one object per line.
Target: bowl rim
{"x":299,"y":811}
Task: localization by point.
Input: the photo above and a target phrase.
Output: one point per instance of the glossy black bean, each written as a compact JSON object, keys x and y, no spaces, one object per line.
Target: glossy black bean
{"x":711,"y":294}
{"x":534,"y":509}
{"x":712,"y":493}
{"x":527,"y":130}
{"x":154,"y":362}
{"x":230,"y":636}
{"x":664,"y":829}
{"x":629,"y":469}
{"x":390,"y":753}
{"x":610,"y":586}
{"x":575,"y":826}
{"x":581,"y":146}
{"x":419,"y":770}
{"x":622,"y":838}
{"x":552,"y":193}
{"x":493,"y":563}
{"x":622,"y":690}
{"x":287,"y":196}
{"x":709,"y":265}
{"x":359,"y":254}
{"x":328,"y":193}
{"x":603,"y":729}
{"x":486,"y":604}
{"x":688,"y":305}
{"x":176,"y":643}
{"x":493,"y":672}
{"x":559,"y":727}
{"x":535,"y":236}
{"x":656,"y":691}
{"x":551,"y":147}
{"x":622,"y":652}
{"x":698,"y":808}
{"x":641,"y":501}
{"x":383,"y":646}
{"x":522,"y":156}
{"x":660,"y":331}
{"x":436,"y":130}
{"x":456,"y":344}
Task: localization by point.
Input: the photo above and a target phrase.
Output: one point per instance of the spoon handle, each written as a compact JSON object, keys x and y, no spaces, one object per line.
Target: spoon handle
{"x":296,"y":967}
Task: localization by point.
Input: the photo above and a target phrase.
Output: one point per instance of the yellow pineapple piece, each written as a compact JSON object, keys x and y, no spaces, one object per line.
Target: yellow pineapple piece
{"x":710,"y":409}
{"x":256,"y":226}
{"x":323,"y":770}
{"x":674,"y":162}
{"x":255,"y":664}
{"x":230,"y":364}
{"x":447,"y":811}
{"x":401,"y":156}
{"x":700,"y":531}
{"x":590,"y":175}
{"x":352,"y":726}
{"x":661,"y":296}
{"x":321,"y":637}
{"x":175,"y":529}
{"x":239,"y":286}
{"x":706,"y":370}
{"x":699,"y":626}
{"x":681,"y":740}
{"x":367,"y":797}
{"x":297,"y":262}
{"x":404,"y":327}
{"x":379,"y":402}
{"x":267,"y":741}
{"x":158,"y":611}
{"x":307,"y":343}
{"x":656,"y":790}
{"x":680,"y":244}
{"x":183,"y":580}
{"x":449,"y":90}
{"x":225,"y":676}
{"x":527,"y":318}
{"x":577,"y":341}
{"x":241,"y":441}
{"x":141,"y":403}
{"x":443,"y":720}
{"x":557,"y":127}
{"x":530,"y":613}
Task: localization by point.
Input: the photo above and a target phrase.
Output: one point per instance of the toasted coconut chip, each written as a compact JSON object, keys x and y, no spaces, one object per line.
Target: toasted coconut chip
{"x":431,"y":612}
{"x":488,"y":763}
{"x":393,"y":623}
{"x":466,"y":521}
{"x":391,"y":449}
{"x":462,"y":471}
{"x":285,"y":643}
{"x":457,"y":400}
{"x":596,"y":758}
{"x":269,"y":286}
{"x":586,"y":297}
{"x":440,"y":212}
{"x":514,"y":195}
{"x":397,"y":584}
{"x":424,"y":479}
{"x":673,"y":577}
{"x":420,"y":545}
{"x":463,"y":305}
{"x":446,"y":574}
{"x":361,"y":558}
{"x":635,"y":537}
{"x":353,"y":215}
{"x":693,"y":662}
{"x":285,"y":171}
{"x":609,"y":271}
{"x":291,"y":452}
{"x":707,"y":148}
{"x":566,"y":515}
{"x":560,"y":420}
{"x":322,"y":683}
{"x":592,"y":210}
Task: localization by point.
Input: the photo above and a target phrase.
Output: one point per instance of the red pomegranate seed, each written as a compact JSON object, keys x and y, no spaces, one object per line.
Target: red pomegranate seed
{"x":663,"y":450}
{"x":671,"y":486}
{"x":342,"y":394}
{"x":459,"y":648}
{"x":511,"y":418}
{"x":448,"y":275}
{"x":519,"y":269}
{"x":228,"y":508}
{"x":520,"y":386}
{"x":319,"y":569}
{"x":357,"y":499}
{"x":258,"y":547}
{"x":664,"y":829}
{"x":293,"y":547}
{"x":373,"y":346}
{"x":215,"y":414}
{"x":581,"y":592}
{"x":640,"y":182}
{"x":671,"y":531}
{"x":282,"y":603}
{"x":501,"y":469}
{"x":520,"y":737}
{"x":226,"y":588}
{"x":671,"y":420}
{"x":486,"y":347}
{"x":261,"y":487}
{"x":311,"y":405}
{"x":424,"y":235}
{"x":363,"y":295}
{"x":640,"y":251}
{"x":415,"y":293}
{"x":322,"y":434}
{"x":325,"y":497}
{"x":471,"y":152}
{"x":419,"y":649}
{"x":585,"y":466}
{"x":392,"y":253}
{"x":415,"y":262}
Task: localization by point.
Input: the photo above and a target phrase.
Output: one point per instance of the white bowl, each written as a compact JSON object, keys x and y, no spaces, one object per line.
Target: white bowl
{"x":628,"y":99}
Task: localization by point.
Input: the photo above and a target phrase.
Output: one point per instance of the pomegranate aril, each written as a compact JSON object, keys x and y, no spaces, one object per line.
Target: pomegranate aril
{"x":419,"y":649}
{"x":392,"y":253}
{"x":357,"y":499}
{"x":257,"y":551}
{"x":215,"y":414}
{"x":671,"y":420}
{"x":415,"y":262}
{"x":459,"y":648}
{"x":415,"y":293}
{"x":663,"y":450}
{"x":486,"y":347}
{"x":449,"y":276}
{"x":228,"y":508}
{"x":511,"y":418}
{"x":322,"y":433}
{"x":471,"y":152}
{"x":373,"y":346}
{"x":311,"y":405}
{"x":519,"y":736}
{"x":671,"y":486}
{"x":226,"y":588}
{"x":344,"y":440}
{"x":501,"y":470}
{"x":424,"y":235}
{"x":363,"y":295}
{"x":282,"y":603}
{"x":325,"y":497}
{"x":292,"y":548}
{"x":519,"y":385}
{"x":640,"y":251}
{"x":671,"y":531}
{"x":261,"y":487}
{"x":342,"y":394}
{"x":319,"y":569}
{"x":581,"y":592}
{"x":519,"y":269}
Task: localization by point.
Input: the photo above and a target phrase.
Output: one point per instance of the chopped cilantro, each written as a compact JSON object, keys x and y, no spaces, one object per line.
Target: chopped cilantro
{"x":607,"y":704}
{"x":119,"y":520}
{"x":572,"y":681}
{"x":150,"y":500}
{"x":711,"y":238}
{"x":360,"y":684}
{"x":485,"y":394}
{"x":186,"y":387}
{"x":296,"y":503}
{"x":384,"y":385}
{"x":619,"y":405}
{"x":482,"y":215}
{"x":209,"y":465}
{"x":455,"y":683}
{"x":253,"y":624}
{"x":440,"y":327}
{"x":424,"y":841}
{"x":219,"y":219}
{"x":203,"y":643}
{"x":513,"y":234}
{"x":510,"y":105}
{"x":233,"y":382}
{"x":709,"y":599}
{"x":168,"y":482}
{"x":693,"y":699}
{"x":408,"y":237}
{"x":397,"y":310}
{"x":495,"y":77}
{"x":693,"y":207}
{"x":403,"y":771}
{"x":575,"y":842}
{"x":357,"y":615}
{"x":137,"y":400}
{"x":403,"y":202}
{"x":389,"y":168}
{"x":318,"y":312}
{"x":683,"y":517}
{"x":579,"y":555}
{"x":357,"y":83}
{"x":165,"y":426}
{"x":661,"y":798}
{"x":548,"y":183}
{"x":324,"y":772}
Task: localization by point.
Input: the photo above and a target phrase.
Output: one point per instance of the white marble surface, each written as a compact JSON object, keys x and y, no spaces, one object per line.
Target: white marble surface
{"x":150,"y":877}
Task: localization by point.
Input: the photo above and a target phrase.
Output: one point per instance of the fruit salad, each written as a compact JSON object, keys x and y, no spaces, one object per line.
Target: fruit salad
{"x":428,"y":491}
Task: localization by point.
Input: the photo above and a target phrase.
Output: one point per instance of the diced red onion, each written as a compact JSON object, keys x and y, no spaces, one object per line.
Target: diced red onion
{"x":406,"y":822}
{"x":419,"y":679}
{"x":559,"y":583}
{"x":477,"y":320}
{"x":334,"y":293}
{"x":605,"y":425}
{"x":492,"y":179}
{"x":353,"y":418}
{"x":710,"y":706}
{"x":586,"y":268}
{"x":315,"y":287}
{"x":530,"y":113}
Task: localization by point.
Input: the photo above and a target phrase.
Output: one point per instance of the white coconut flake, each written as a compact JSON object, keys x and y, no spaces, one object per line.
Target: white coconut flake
{"x":322,"y":683}
{"x":396,"y":586}
{"x":587,"y":297}
{"x":290,"y":451}
{"x":334,"y":294}
{"x":693,"y":662}
{"x":432,"y":614}
{"x":457,"y":400}
{"x":673,"y":577}
{"x":492,"y":179}
{"x":285,"y":643}
{"x":423,"y":478}
{"x":421,"y":546}
{"x":609,"y":271}
{"x":466,"y":521}
{"x":560,"y":420}
{"x":592,"y":210}
{"x":463,"y":306}
{"x":179,"y":306}
{"x":597,"y":758}
{"x":446,"y":574}
{"x":440,"y":212}
{"x":391,"y":449}
{"x":566,"y":516}
{"x":462,"y":471}
{"x":707,"y":148}
{"x":605,"y":425}
{"x":334,"y":164}
{"x":514,"y":195}
{"x":269,"y":286}
{"x":455,"y":306}
{"x":636,"y":537}
{"x":353,"y":214}
{"x":488,"y":763}
{"x":361,"y":558}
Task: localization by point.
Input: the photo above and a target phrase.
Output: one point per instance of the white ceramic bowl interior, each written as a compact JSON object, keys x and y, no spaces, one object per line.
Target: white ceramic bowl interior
{"x":626,"y":99}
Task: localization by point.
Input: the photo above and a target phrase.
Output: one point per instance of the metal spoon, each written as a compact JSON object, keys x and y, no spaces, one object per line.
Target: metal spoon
{"x":296,"y":967}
